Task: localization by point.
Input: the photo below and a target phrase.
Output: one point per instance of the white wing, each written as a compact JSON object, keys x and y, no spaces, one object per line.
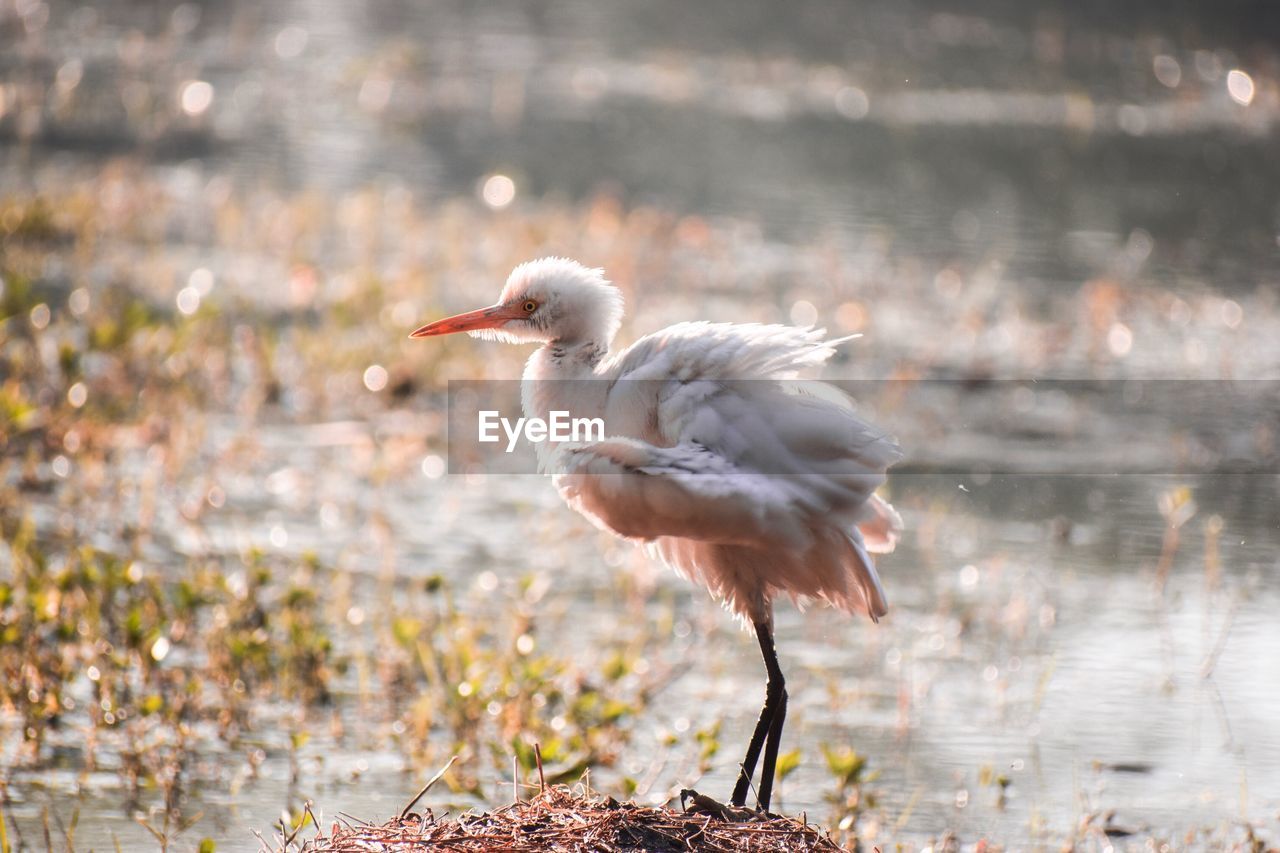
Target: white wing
{"x":701,"y":350}
{"x":643,"y":492}
{"x":750,"y":486}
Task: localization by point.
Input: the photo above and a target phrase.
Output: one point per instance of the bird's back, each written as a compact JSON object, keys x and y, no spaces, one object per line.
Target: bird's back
{"x":723,"y":351}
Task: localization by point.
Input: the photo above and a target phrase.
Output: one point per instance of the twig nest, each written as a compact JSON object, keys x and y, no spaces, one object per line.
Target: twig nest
{"x":563,"y":818}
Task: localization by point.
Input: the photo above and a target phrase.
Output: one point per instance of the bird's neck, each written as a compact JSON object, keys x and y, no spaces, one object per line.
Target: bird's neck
{"x":550,"y":374}
{"x":552,"y":383}
{"x":566,"y":360}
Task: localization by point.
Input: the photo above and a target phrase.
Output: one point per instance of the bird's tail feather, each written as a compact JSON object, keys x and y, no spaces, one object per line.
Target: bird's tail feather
{"x":881,"y":530}
{"x":867,"y":579}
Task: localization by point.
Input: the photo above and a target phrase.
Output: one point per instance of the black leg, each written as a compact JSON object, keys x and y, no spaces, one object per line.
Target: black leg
{"x":753,"y":751}
{"x":771,"y":747}
{"x":768,"y":727}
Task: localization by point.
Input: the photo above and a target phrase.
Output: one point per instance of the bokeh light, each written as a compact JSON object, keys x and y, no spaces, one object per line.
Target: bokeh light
{"x":77,"y":395}
{"x":433,"y":467}
{"x":78,"y":301}
{"x":188,"y":300}
{"x":1119,"y":340}
{"x":498,"y":191}
{"x":375,"y":377}
{"x":202,"y":280}
{"x":852,"y":103}
{"x":804,"y":313}
{"x":1240,"y":87}
{"x":1232,"y":314}
{"x":196,"y":97}
{"x":290,"y":42}
{"x":1167,"y":70}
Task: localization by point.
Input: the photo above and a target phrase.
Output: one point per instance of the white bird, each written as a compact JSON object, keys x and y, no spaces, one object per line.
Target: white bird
{"x":738,"y":478}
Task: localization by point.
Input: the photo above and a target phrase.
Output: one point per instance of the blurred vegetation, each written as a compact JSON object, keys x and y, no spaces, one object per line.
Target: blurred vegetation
{"x":145,"y":668}
{"x":126,"y":655}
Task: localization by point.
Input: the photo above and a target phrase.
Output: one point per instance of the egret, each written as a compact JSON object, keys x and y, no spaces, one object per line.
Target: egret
{"x":740,"y":478}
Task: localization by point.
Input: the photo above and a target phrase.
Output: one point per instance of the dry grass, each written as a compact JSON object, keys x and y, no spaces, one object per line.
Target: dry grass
{"x":563,"y":818}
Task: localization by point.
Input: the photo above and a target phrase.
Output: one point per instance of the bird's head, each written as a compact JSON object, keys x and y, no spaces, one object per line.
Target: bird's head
{"x":550,"y":299}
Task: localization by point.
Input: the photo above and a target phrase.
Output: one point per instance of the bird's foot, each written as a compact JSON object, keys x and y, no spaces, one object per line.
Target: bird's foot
{"x":694,"y":803}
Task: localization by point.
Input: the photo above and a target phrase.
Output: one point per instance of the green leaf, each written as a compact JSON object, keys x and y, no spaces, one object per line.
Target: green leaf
{"x":616,"y":666}
{"x":846,"y":765}
{"x":787,"y":762}
{"x":524,"y":753}
{"x":405,"y":630}
{"x":709,"y":740}
{"x":615,"y":709}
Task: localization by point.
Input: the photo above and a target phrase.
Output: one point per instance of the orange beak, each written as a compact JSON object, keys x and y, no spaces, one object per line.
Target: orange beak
{"x":493,"y":317}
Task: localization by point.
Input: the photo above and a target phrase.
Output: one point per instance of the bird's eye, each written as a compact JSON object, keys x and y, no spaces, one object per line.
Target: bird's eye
{"x":530,"y":306}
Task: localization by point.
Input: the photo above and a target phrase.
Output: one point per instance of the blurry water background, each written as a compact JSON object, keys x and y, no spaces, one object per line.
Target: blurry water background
{"x":987,"y":191}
